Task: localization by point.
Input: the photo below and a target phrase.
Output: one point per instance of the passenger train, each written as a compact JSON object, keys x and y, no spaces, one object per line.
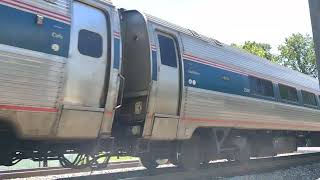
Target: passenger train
{"x":83,"y":77}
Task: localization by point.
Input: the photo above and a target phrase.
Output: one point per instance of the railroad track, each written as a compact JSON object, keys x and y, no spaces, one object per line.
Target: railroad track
{"x":222,"y":169}
{"x":25,"y":173}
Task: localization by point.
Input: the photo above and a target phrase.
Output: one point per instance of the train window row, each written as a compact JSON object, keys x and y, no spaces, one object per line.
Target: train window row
{"x":288,"y":93}
{"x":309,"y":98}
{"x":261,"y":87}
{"x":265,"y":88}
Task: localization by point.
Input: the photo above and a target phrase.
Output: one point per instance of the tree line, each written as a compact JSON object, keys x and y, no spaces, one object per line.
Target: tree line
{"x":296,"y":52}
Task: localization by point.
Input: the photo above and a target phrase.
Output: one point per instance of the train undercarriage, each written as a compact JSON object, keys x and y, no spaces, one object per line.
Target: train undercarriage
{"x":234,"y":145}
{"x":206,"y":144}
{"x":209,"y":144}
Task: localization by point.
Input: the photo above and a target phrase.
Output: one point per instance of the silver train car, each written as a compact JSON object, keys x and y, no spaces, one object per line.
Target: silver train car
{"x":60,"y":64}
{"x":195,"y":98}
{"x":81,"y":77}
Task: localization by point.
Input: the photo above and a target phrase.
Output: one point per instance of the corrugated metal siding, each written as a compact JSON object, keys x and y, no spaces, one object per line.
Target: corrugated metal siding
{"x":204,"y":47}
{"x":106,"y":1}
{"x":212,"y":106}
{"x":167,"y":24}
{"x":29,"y":81}
{"x":175,"y":27}
{"x":62,"y":7}
{"x":58,"y":6}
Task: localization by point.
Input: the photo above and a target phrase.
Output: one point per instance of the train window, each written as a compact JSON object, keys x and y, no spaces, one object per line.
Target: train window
{"x":309,"y":98}
{"x":288,"y":93}
{"x":90,"y":43}
{"x":168,"y":51}
{"x":261,"y":87}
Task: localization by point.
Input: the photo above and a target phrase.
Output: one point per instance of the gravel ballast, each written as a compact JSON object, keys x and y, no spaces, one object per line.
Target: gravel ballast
{"x":308,"y":172}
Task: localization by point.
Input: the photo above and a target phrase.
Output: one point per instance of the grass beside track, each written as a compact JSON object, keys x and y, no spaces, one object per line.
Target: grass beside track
{"x":29,"y":164}
{"x":123,"y":158}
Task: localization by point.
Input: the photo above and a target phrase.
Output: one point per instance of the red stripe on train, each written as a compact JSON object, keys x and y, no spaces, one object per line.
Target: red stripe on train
{"x":29,"y":7}
{"x":117,"y":35}
{"x":27,"y":108}
{"x":248,"y":123}
{"x":211,"y":63}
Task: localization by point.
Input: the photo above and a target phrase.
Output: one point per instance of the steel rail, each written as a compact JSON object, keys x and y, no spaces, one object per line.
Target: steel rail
{"x":223,"y":169}
{"x":25,"y":173}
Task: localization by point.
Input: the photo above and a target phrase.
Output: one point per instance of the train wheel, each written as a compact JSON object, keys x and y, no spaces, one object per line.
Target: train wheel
{"x":189,"y":157}
{"x":149,"y":162}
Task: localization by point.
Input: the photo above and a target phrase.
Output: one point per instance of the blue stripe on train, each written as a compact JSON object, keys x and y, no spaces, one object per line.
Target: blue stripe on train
{"x":154,"y":66}
{"x":203,"y":76}
{"x":116,"y":63}
{"x":19,"y":29}
{"x":211,"y":78}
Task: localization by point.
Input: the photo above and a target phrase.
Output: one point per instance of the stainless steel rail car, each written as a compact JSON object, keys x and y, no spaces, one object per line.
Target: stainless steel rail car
{"x":59,"y":75}
{"x":182,"y":96}
{"x":195,"y":97}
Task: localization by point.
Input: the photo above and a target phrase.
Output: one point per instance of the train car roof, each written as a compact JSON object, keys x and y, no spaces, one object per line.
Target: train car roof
{"x":284,"y":74}
{"x":107,"y":1}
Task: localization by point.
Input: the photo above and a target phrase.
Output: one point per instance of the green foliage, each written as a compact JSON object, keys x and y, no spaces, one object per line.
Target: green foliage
{"x":297,"y":53}
{"x":258,"y":49}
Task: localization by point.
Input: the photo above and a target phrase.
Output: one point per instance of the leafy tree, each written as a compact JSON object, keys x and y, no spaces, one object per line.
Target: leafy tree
{"x":258,"y":49}
{"x":297,"y":53}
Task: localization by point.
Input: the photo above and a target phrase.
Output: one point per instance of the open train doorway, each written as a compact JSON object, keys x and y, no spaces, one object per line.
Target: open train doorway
{"x":130,"y":118}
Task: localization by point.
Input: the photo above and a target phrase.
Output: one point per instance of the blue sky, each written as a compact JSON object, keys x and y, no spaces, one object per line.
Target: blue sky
{"x":232,"y":21}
